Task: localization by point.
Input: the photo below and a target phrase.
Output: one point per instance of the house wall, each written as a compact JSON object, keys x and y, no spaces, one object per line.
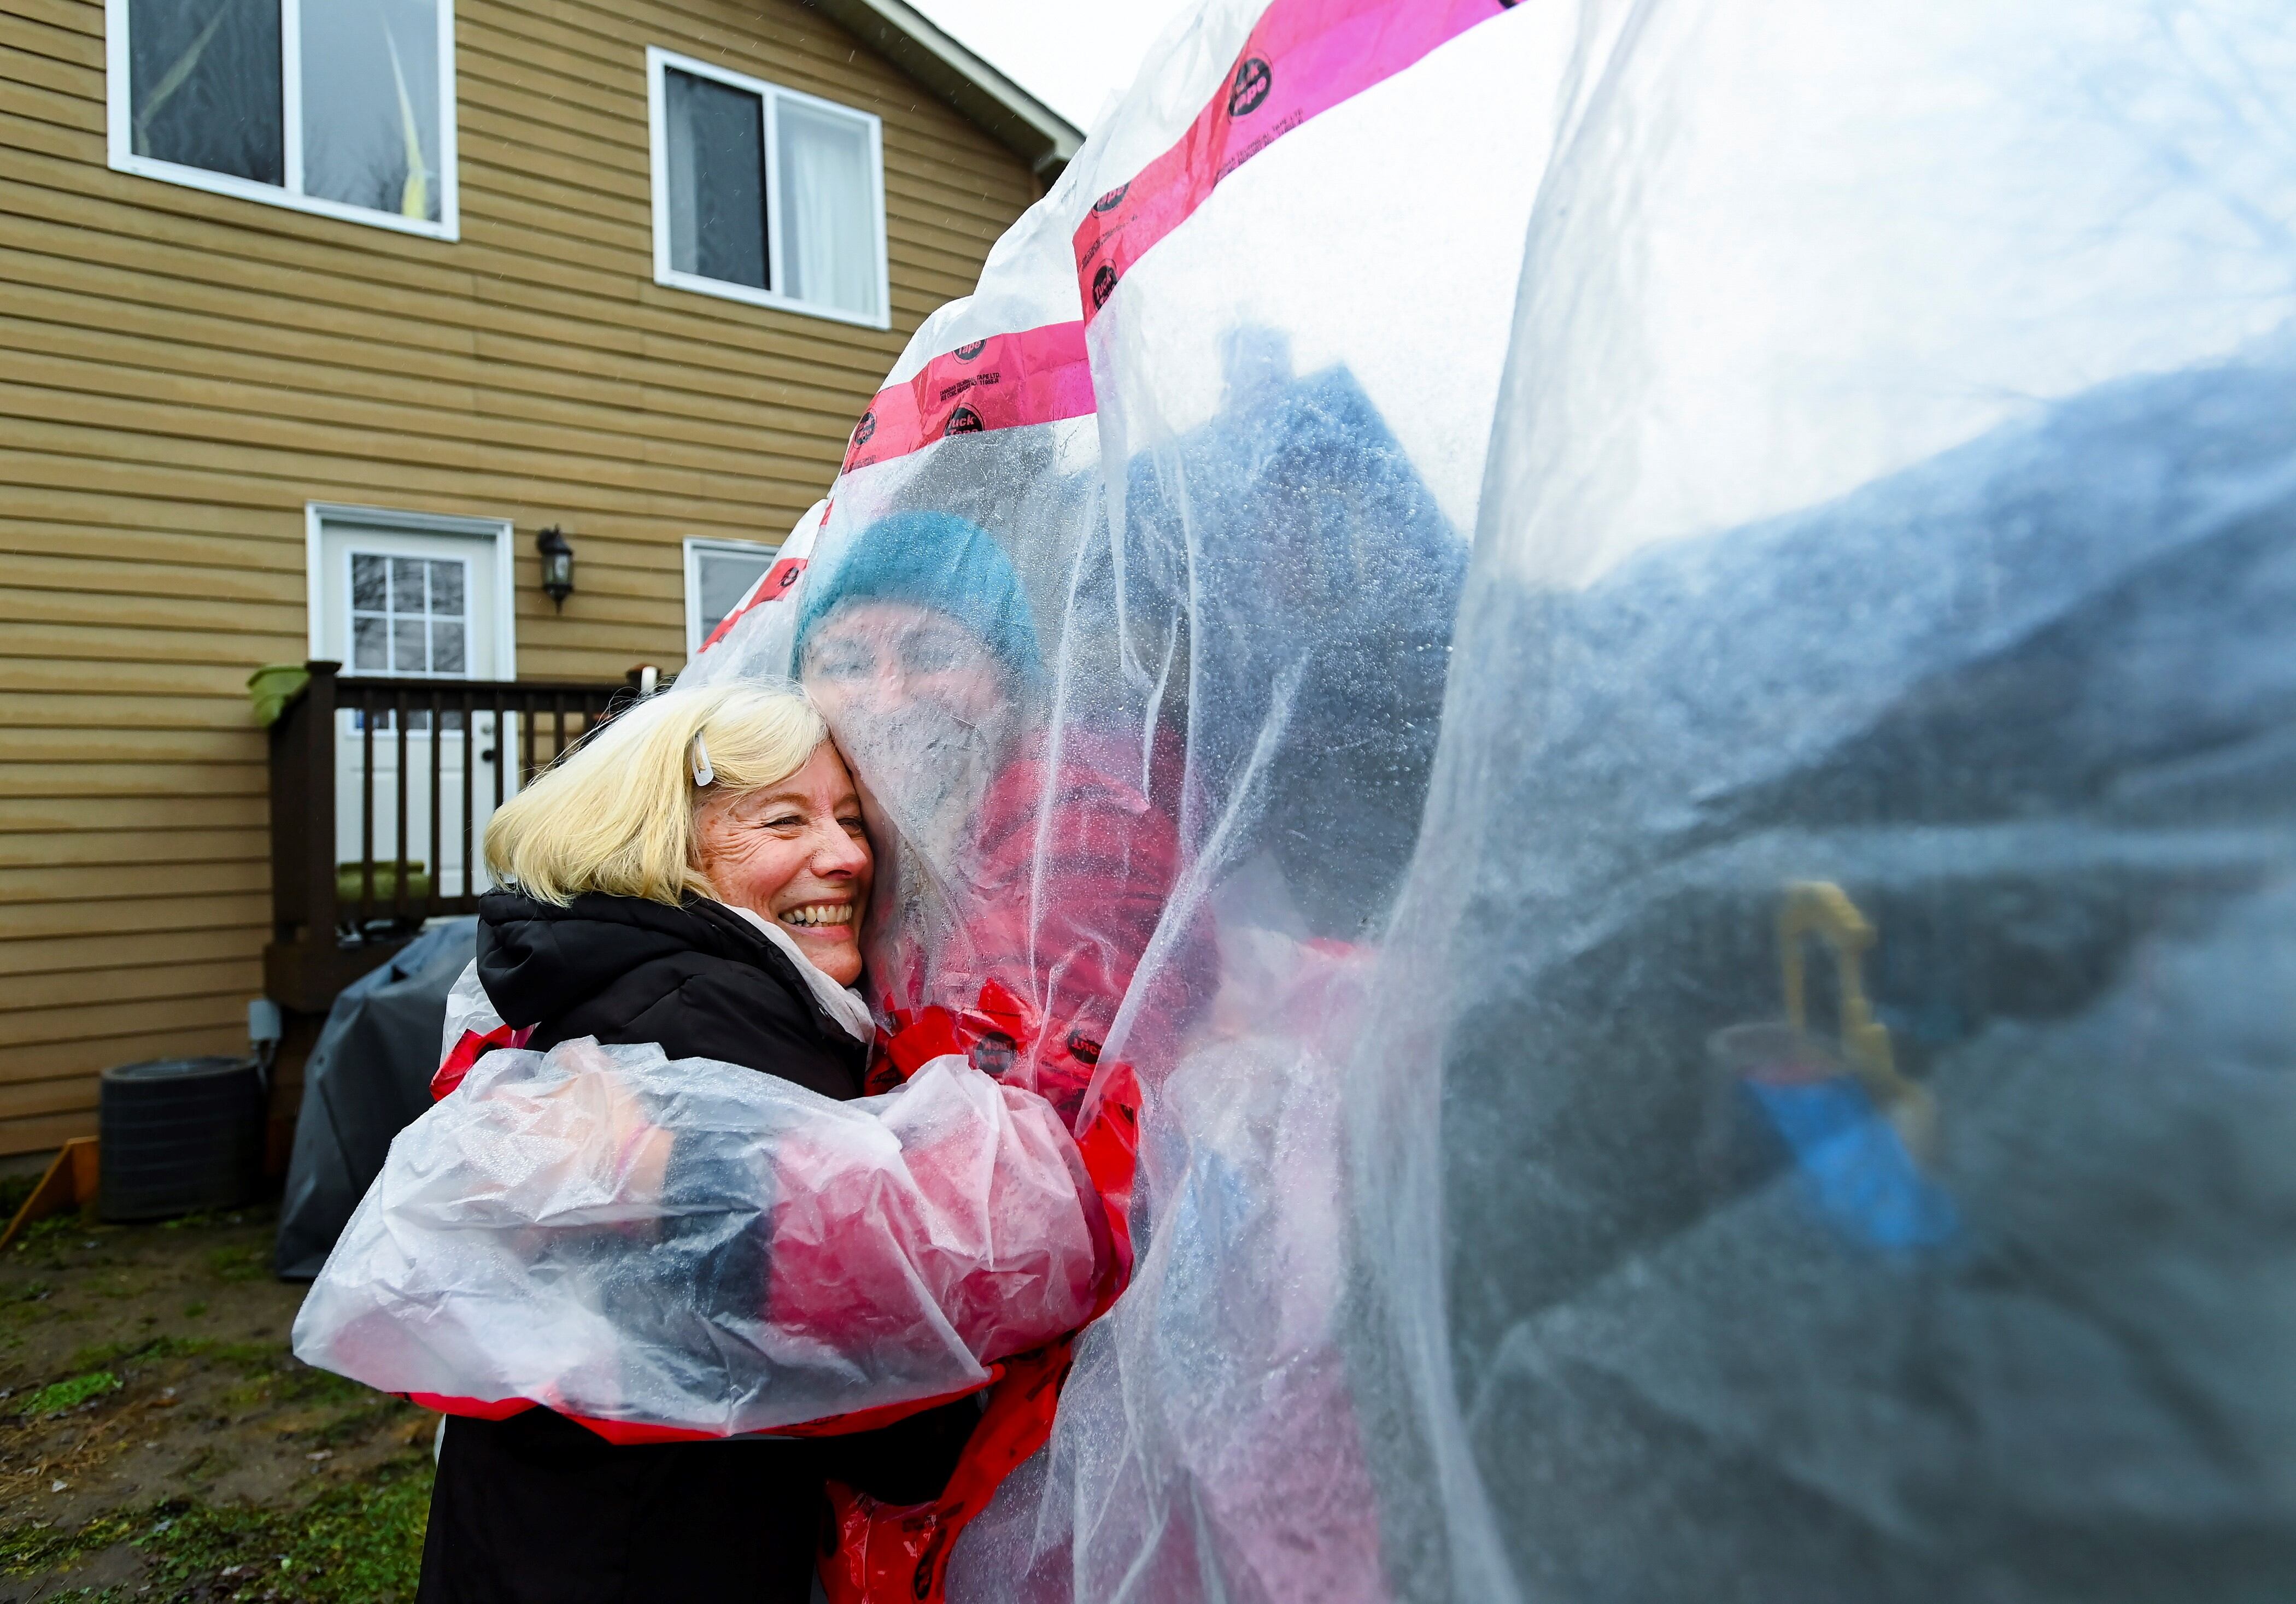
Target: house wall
{"x":183,"y":372}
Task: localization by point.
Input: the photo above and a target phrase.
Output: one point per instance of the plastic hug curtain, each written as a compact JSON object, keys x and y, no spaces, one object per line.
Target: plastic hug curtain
{"x":1630,"y":665}
{"x":1131,"y":609}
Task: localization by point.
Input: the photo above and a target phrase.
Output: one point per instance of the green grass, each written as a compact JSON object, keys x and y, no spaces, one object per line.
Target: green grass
{"x":357,"y":1543}
{"x":250,"y":1358}
{"x":239,"y":1263}
{"x":27,"y":1550}
{"x":55,"y":1225}
{"x":360,"y":1543}
{"x":58,"y":1396}
{"x":273,"y":1375}
{"x":104,"y":1356}
{"x":357,"y":1423}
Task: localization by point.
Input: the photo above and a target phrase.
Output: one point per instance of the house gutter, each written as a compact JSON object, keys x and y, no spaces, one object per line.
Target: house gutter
{"x":1009,"y":114}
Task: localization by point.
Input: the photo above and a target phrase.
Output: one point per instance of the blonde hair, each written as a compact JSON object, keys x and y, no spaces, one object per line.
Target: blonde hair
{"x":615,"y":812}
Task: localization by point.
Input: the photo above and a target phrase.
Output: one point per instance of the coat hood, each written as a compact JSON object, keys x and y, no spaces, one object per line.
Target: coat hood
{"x":539,"y":960}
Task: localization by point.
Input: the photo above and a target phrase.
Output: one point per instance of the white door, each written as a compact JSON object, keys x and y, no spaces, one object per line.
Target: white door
{"x":407,"y":597}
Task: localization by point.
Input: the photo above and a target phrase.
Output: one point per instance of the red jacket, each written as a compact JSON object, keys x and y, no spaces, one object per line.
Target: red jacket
{"x":1067,"y":880}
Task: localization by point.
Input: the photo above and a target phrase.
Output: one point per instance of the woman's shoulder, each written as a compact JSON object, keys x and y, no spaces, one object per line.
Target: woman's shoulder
{"x":537,"y":957}
{"x":716,"y":1013}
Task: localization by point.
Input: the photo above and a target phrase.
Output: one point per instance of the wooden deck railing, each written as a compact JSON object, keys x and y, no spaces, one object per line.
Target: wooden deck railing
{"x":381,"y":790}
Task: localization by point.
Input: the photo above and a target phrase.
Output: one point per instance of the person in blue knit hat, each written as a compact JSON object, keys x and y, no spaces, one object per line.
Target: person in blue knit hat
{"x":937,"y":561}
{"x":1028,"y":874}
{"x":918,"y":646}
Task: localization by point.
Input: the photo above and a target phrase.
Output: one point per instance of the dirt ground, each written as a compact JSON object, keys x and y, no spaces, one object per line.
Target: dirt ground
{"x":158,"y":1442}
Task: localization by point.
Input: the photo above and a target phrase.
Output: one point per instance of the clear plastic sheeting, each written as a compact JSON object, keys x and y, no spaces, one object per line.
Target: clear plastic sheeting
{"x":1727,"y":1037}
{"x":1131,"y":609}
{"x":1863,"y":1173}
{"x":694,"y":1246}
{"x":1828,"y":1136}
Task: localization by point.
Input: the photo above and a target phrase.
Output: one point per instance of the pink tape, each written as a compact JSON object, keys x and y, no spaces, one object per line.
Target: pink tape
{"x":1032,"y":376}
{"x":1305,"y":57}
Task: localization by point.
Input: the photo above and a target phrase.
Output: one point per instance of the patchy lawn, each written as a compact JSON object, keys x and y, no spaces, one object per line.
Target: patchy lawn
{"x":159,"y":1443}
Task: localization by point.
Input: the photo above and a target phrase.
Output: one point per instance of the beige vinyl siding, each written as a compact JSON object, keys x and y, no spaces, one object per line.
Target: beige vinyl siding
{"x":184,"y":371}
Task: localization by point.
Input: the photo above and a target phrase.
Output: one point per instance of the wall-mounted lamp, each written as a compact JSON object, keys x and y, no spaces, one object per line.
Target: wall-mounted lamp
{"x":557,"y":566}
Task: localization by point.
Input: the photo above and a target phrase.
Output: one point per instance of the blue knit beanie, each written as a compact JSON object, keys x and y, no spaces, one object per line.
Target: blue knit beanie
{"x":935,"y":559}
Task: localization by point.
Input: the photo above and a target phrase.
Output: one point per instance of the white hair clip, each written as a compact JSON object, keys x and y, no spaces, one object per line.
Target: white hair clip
{"x":702,"y":773}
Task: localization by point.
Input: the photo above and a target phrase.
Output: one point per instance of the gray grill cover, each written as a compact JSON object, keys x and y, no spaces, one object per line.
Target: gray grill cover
{"x":367,"y":1079}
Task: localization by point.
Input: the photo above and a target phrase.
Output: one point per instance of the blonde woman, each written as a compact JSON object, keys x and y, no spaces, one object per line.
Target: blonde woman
{"x":694,"y":877}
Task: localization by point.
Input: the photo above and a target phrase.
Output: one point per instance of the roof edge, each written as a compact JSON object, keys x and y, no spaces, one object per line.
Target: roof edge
{"x":1008,"y":113}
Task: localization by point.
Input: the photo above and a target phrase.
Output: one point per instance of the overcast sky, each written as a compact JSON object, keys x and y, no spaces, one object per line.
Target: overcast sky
{"x":1072,"y":54}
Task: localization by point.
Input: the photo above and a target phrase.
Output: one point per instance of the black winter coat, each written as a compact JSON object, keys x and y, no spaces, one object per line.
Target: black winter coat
{"x":537,"y":1509}
{"x":701,"y":979}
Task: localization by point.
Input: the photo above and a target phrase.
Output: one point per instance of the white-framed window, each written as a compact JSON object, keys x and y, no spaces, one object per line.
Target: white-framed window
{"x":718,"y":573}
{"x":765,"y":195}
{"x":345,"y":108}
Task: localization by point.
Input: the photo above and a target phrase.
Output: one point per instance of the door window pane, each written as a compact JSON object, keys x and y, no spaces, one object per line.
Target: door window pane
{"x":716,"y":179}
{"x":408,"y":615}
{"x":371,"y":123}
{"x":370,"y":645}
{"x":410,"y":650}
{"x":370,"y":583}
{"x":828,"y":208}
{"x":204,"y":85}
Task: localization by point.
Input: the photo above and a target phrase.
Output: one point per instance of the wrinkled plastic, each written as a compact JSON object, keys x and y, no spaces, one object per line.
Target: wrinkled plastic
{"x":1879,"y":629}
{"x":471,"y":1029}
{"x":1688,"y":606}
{"x":1131,"y":612}
{"x":692,"y":1247}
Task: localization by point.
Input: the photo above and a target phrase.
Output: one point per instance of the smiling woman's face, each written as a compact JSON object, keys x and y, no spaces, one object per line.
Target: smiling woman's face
{"x":794,"y":852}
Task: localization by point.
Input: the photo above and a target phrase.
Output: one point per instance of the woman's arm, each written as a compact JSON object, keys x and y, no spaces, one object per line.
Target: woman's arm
{"x":526,"y":1241}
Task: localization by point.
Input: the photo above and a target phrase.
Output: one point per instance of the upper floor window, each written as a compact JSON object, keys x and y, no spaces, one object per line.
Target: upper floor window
{"x":766,"y":195}
{"x":340,"y":107}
